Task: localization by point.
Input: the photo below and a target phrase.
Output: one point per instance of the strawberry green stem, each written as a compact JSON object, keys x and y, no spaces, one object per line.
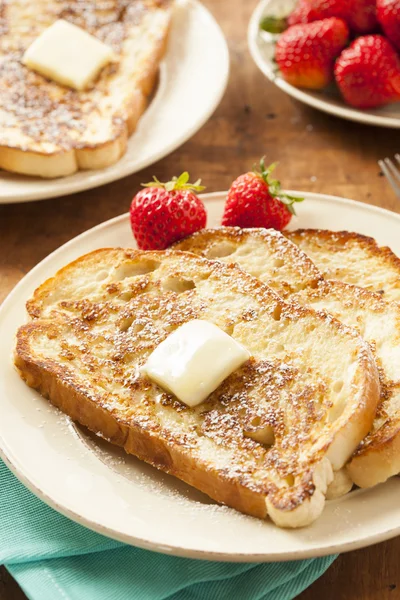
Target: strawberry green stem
{"x":274,"y":186}
{"x":274,"y":24}
{"x":176,"y":183}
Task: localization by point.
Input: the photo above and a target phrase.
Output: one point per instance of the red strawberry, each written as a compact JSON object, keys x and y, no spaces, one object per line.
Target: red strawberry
{"x":306,"y":53}
{"x":164,"y":213}
{"x":307,"y":11}
{"x":360,"y":15}
{"x":368,"y":72}
{"x":256,"y":200}
{"x":389,"y":17}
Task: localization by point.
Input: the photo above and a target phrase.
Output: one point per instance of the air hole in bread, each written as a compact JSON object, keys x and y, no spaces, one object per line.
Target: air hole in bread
{"x":134,"y":269}
{"x":279,"y":262}
{"x":101,"y":275}
{"x":338,"y":386}
{"x":126,"y":323}
{"x":337,"y":410}
{"x":277,"y":312}
{"x":229,"y":329}
{"x":137,"y":327}
{"x":279,"y":348}
{"x":128,"y":295}
{"x":177,"y":285}
{"x":290,"y":480}
{"x":220,"y":250}
{"x":259,"y":432}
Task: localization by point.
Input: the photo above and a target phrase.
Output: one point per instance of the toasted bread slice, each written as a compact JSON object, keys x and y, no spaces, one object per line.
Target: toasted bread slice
{"x":51,"y":131}
{"x":272,"y":258}
{"x":96,"y":322}
{"x":352,"y":258}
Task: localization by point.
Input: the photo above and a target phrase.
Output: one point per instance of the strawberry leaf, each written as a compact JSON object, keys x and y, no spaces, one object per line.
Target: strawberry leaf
{"x":274,"y":25}
{"x":177,"y":183}
{"x":289,"y":201}
{"x":274,"y":185}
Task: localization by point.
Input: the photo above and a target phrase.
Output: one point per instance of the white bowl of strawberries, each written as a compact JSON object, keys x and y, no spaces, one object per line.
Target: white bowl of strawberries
{"x":340,"y":56}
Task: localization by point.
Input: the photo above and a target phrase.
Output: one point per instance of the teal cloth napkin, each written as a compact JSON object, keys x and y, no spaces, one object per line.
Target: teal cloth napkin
{"x":53,"y":558}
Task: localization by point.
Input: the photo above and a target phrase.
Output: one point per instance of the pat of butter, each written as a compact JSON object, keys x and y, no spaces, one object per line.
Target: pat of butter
{"x":68,"y":55}
{"x":194,"y":360}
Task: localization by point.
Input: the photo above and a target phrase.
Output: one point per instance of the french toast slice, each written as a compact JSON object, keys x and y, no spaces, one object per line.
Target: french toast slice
{"x":49,"y":130}
{"x":352,"y":258}
{"x":269,"y":256}
{"x":95,"y":323}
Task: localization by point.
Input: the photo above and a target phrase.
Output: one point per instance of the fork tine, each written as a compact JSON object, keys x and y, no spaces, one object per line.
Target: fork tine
{"x":389,"y":176}
{"x":397,"y":157}
{"x":393,"y":169}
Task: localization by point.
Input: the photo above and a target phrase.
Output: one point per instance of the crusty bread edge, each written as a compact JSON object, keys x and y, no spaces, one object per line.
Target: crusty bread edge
{"x":134,"y":439}
{"x":376,"y":464}
{"x":170,"y":458}
{"x":34,"y":305}
{"x":43,"y":377}
{"x":99,"y":156}
{"x":369,"y":243}
{"x":199,"y":241}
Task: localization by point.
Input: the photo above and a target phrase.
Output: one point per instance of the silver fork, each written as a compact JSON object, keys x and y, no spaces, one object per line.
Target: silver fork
{"x":391,"y":172}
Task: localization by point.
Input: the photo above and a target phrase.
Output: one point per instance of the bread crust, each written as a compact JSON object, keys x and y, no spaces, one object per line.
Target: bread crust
{"x":377,"y":462}
{"x":337,"y":239}
{"x":378,"y":457}
{"x":52,"y":383}
{"x":289,"y":507}
{"x":353,"y":258}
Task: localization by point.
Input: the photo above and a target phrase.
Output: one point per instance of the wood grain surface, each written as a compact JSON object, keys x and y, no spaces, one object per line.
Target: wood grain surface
{"x":316,"y":152}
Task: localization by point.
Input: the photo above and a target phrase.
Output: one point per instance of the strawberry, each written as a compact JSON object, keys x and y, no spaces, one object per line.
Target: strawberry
{"x":256,"y":200}
{"x":368,"y":72}
{"x":306,"y":53}
{"x":360,"y":15}
{"x":307,"y":11}
{"x":389,"y":17}
{"x":164,"y":213}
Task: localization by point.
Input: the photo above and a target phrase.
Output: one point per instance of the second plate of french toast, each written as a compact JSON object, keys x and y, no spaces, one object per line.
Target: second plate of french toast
{"x":65,"y":128}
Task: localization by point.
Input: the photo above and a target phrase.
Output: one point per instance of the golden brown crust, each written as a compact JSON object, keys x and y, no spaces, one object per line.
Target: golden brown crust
{"x":225,"y":243}
{"x":363,"y":309}
{"x":168,"y":457}
{"x":337,"y":241}
{"x":374,"y":463}
{"x":378,"y":457}
{"x":254,"y":475}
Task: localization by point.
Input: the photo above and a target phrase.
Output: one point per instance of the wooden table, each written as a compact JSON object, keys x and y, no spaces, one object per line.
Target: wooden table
{"x":317,"y":153}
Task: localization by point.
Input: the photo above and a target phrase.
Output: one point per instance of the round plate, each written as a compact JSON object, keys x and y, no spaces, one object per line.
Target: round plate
{"x":262,"y":49}
{"x":98,"y":485}
{"x":197,"y":51}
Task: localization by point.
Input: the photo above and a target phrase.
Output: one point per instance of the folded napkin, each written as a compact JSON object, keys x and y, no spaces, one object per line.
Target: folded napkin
{"x":54,"y":558}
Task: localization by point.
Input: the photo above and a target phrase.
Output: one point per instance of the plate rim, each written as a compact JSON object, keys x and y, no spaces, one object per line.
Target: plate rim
{"x":172,"y":549}
{"x":104,"y":177}
{"x":344,"y":112}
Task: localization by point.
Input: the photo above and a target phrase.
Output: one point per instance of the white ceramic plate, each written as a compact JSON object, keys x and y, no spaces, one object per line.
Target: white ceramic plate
{"x":261,"y":46}
{"x":193,"y":78}
{"x":99,"y":486}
